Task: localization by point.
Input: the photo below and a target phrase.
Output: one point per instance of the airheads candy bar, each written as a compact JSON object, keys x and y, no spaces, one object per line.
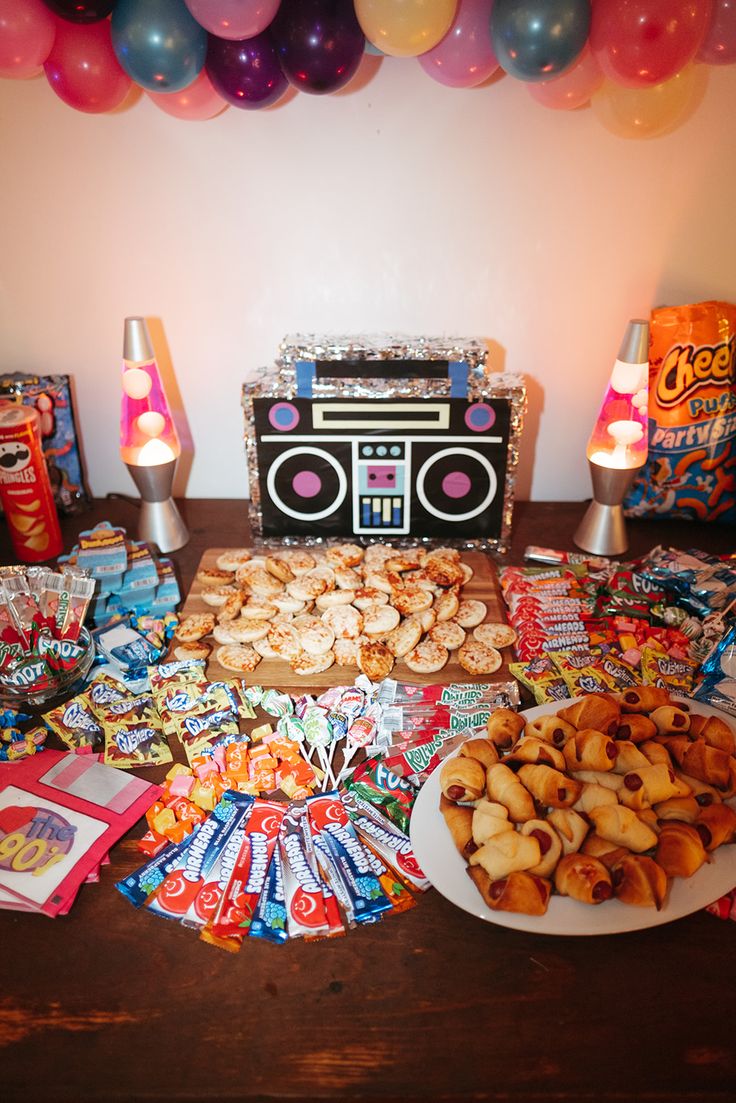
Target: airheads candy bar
{"x":183,"y":883}
{"x":333,"y":831}
{"x":391,"y":844}
{"x":235,"y":911}
{"x":691,"y":468}
{"x":303,"y":887}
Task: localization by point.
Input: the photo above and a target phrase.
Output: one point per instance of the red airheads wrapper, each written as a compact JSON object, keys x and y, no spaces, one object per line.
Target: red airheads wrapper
{"x":25,"y":489}
{"x":230,"y":925}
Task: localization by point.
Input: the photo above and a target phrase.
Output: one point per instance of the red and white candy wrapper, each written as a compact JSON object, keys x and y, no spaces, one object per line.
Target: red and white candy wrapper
{"x":306,"y":914}
{"x":230,"y":924}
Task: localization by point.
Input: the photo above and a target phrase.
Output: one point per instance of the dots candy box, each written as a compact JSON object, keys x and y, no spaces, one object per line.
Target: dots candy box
{"x":383,"y":438}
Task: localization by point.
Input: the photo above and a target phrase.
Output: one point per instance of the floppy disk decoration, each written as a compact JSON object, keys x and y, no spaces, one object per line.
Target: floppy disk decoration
{"x":395,"y":440}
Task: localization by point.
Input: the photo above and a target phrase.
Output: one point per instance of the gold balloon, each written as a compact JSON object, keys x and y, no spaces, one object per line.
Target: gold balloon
{"x":405,"y":28}
{"x":649,"y":112}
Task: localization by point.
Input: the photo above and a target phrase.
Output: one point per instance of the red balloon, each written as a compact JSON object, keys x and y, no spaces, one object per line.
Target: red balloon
{"x":27,"y":30}
{"x":643,"y":42}
{"x":83,"y":70}
{"x":198,"y":100}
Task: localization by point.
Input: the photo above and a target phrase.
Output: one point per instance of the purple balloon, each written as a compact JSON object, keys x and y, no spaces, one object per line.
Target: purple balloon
{"x":246,"y":72}
{"x":719,"y":45}
{"x":320,"y":43}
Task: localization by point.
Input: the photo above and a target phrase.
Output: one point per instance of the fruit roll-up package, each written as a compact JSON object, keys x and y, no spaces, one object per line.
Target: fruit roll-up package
{"x":691,"y":467}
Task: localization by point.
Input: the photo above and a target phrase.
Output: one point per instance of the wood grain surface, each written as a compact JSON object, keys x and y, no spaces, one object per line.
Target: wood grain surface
{"x":112,"y":1004}
{"x":483,"y":586}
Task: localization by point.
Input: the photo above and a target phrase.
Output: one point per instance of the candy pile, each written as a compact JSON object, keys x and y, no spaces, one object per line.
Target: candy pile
{"x":17,"y":740}
{"x":593,"y":626}
{"x":128,"y":575}
{"x":41,"y":616}
{"x":264,"y":869}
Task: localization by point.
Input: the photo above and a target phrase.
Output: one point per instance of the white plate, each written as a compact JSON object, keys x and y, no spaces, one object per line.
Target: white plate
{"x":446,"y":869}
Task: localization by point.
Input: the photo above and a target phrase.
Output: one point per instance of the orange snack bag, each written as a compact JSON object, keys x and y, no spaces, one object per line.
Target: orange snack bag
{"x":691,"y":468}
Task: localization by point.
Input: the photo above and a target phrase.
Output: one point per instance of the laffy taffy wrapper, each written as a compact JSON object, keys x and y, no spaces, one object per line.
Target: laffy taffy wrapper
{"x":230,"y":924}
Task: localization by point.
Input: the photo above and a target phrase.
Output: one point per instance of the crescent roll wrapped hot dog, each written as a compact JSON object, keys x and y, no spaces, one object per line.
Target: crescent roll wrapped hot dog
{"x":552,"y":729}
{"x":685,"y":809}
{"x":570,"y":826}
{"x":489,"y":819}
{"x":505,"y":853}
{"x":519,"y":892}
{"x":643,"y":699}
{"x":593,"y":796}
{"x":622,"y":826}
{"x":629,"y":757}
{"x":550,"y":787}
{"x":648,"y":785}
{"x":600,"y":777}
{"x":715,"y":732}
{"x":504,"y":726}
{"x":481,"y":749}
{"x":462,"y":779}
{"x":529,"y":749}
{"x":503,"y":785}
{"x":716,"y":825}
{"x":670,"y":720}
{"x":591,"y":750}
{"x":654,"y":752}
{"x":680,"y":851}
{"x":603,"y":849}
{"x":549,"y":845}
{"x":636,"y":728}
{"x":459,"y":820}
{"x":594,"y":711}
{"x":639,"y":880}
{"x":584,"y":878}
{"x":710,"y":764}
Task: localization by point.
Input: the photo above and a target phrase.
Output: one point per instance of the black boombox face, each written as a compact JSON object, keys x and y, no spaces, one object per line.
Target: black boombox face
{"x":433,"y":467}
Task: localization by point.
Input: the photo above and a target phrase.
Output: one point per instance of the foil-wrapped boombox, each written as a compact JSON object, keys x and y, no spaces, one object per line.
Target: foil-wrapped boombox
{"x":375,"y":438}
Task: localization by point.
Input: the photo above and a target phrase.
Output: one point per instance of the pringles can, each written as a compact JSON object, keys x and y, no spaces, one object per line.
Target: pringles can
{"x":25,"y":489}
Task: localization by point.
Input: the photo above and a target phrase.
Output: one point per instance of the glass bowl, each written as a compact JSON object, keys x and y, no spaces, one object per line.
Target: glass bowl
{"x":58,"y":687}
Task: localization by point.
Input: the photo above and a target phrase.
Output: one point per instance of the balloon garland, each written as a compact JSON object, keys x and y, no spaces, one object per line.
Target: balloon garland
{"x":635,"y":62}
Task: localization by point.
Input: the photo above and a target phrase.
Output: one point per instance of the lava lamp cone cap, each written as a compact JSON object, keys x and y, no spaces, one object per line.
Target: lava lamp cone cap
{"x":137,"y":347}
{"x":635,"y":345}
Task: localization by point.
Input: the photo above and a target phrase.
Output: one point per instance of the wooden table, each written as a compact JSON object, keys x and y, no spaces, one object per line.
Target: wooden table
{"x":112,"y":1004}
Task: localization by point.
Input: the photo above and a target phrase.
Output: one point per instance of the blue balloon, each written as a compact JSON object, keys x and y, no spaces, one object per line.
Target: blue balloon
{"x":158,"y":43}
{"x":538,"y":39}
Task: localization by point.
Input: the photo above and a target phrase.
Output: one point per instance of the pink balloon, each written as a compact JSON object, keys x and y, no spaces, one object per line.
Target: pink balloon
{"x":719,"y":45}
{"x":571,"y":89}
{"x":233,"y":18}
{"x":198,"y":101}
{"x":638,"y":43}
{"x":82,"y":67}
{"x":27,"y":31}
{"x":464,"y":57}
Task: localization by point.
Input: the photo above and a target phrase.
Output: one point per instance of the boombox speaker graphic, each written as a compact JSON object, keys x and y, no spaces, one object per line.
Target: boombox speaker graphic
{"x":375,"y":439}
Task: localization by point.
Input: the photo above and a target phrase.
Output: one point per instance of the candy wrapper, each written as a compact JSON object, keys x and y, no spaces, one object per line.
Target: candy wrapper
{"x":691,"y":466}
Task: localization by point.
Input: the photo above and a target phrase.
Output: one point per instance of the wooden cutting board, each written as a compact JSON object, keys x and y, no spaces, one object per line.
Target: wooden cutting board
{"x":482,"y":586}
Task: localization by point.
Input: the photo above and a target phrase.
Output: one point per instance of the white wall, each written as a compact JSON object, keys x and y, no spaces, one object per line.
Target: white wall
{"x":398,"y":205}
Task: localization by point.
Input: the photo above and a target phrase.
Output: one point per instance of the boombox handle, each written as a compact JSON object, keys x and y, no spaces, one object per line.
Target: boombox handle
{"x":456,"y":371}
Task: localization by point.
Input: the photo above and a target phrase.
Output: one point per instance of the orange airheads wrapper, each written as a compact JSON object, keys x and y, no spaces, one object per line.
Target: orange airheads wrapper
{"x":691,"y":468}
